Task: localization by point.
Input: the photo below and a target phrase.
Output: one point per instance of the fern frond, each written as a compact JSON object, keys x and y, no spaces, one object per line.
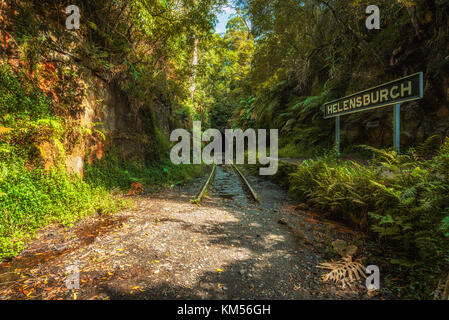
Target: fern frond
{"x":429,"y":147}
{"x":344,"y":271}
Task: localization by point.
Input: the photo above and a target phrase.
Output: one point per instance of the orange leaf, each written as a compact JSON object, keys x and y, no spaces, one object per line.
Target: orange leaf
{"x":4,"y":130}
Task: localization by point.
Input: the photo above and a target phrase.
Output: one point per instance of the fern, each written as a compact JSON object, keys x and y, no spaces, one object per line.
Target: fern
{"x":405,"y":201}
{"x":343,"y":272}
{"x":429,"y":147}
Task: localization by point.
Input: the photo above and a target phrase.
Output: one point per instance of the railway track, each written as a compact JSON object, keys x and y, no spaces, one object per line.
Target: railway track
{"x":210,"y":182}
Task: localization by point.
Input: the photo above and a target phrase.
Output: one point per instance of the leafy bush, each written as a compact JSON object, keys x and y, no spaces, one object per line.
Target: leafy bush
{"x":400,"y":202}
{"x":30,"y":199}
{"x":114,"y":172}
{"x":19,"y":97}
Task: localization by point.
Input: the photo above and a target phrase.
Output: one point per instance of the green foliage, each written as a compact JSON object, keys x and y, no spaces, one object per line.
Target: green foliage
{"x":335,"y":189}
{"x":30,"y":199}
{"x":222,"y":89}
{"x":309,"y":52}
{"x":113,"y":171}
{"x":429,"y":147}
{"x":277,"y":64}
{"x":27,"y":114}
{"x":143,"y":48}
{"x":24,"y":101}
{"x":403,"y":202}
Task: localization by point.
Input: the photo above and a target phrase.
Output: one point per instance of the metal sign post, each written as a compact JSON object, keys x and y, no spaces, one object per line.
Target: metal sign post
{"x":337,"y":134}
{"x":397,"y":128}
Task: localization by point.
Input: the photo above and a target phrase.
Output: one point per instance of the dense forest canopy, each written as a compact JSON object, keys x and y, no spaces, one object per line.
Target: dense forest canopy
{"x":310,"y":52}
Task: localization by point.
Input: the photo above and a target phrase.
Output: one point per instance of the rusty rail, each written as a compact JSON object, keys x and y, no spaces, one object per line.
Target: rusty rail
{"x":251,"y":190}
{"x":206,"y":185}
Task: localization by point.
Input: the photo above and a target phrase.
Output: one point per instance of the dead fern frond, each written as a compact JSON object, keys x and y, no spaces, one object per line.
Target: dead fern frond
{"x":344,"y":271}
{"x":4,"y":130}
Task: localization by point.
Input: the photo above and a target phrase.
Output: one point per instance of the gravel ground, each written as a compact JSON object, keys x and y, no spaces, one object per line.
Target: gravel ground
{"x":166,"y":247}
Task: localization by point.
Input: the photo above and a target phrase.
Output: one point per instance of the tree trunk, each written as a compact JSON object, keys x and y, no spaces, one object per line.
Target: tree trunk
{"x":194,"y":65}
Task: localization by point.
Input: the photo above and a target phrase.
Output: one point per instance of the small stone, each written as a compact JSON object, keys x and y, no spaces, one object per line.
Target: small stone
{"x":282,"y":221}
{"x":242,"y":271}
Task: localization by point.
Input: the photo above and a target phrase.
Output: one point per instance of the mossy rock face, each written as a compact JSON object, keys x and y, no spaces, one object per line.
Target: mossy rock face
{"x":443,"y":112}
{"x":446,"y":88}
{"x":353,"y":134}
{"x":75,"y":164}
{"x":50,"y":153}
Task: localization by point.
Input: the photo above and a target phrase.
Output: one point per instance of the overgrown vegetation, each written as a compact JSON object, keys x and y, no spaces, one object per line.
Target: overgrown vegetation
{"x":276,"y":65}
{"x":31,"y":199}
{"x":400,"y":202}
{"x":310,"y":52}
{"x":115,"y":172}
{"x":30,"y":196}
{"x":48,"y":74}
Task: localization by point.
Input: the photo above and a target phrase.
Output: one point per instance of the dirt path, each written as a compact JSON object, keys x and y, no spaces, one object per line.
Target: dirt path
{"x":168,"y":248}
